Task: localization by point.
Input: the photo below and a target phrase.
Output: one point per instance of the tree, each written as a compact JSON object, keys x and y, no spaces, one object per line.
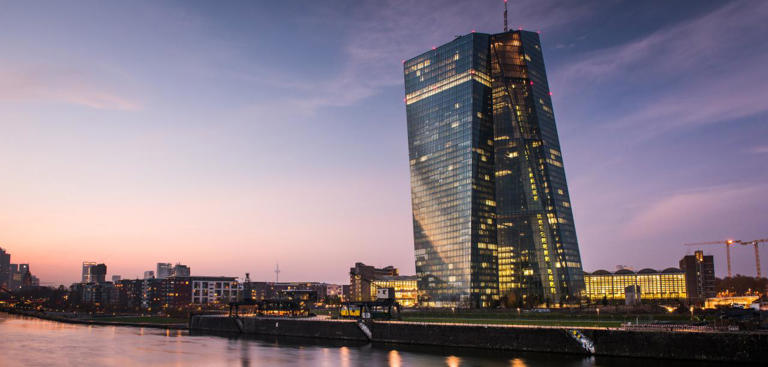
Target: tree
{"x":741,"y":285}
{"x":511,"y":299}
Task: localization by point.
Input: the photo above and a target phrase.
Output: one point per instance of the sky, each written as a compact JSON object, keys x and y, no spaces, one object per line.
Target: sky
{"x":231,"y":136}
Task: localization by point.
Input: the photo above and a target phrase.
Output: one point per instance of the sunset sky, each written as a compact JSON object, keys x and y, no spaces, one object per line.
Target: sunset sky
{"x":231,"y":136}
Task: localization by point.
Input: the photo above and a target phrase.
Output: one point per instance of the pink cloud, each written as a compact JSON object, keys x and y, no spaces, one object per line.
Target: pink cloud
{"x":59,"y":84}
{"x":762,"y":149}
{"x":688,"y":212}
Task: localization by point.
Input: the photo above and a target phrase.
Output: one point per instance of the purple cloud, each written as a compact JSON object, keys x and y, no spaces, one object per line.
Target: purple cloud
{"x":693,"y":66}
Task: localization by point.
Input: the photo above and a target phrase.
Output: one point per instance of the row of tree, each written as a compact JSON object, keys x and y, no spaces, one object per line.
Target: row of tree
{"x":741,"y":285}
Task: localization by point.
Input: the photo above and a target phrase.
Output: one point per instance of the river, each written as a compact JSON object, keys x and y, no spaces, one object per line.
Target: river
{"x":28,"y":341}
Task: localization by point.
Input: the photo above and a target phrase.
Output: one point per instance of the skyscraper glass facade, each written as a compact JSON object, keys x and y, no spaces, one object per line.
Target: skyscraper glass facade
{"x":538,"y":250}
{"x":450,"y":140}
{"x":491,"y":211}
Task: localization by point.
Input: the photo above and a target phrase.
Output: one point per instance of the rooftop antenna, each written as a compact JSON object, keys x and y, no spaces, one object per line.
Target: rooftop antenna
{"x":505,"y":15}
{"x":277,"y":272}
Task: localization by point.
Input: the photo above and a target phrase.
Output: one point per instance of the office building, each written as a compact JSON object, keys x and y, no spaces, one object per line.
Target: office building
{"x":19,"y":276}
{"x":25,"y":276}
{"x":178,"y":291}
{"x":152,"y":293}
{"x":180,"y":270}
{"x":5,"y":268}
{"x":346,"y":292}
{"x":130,"y":292}
{"x":334,"y":291}
{"x":360,"y":278}
{"x":212,"y":290}
{"x":98,"y":293}
{"x":491,"y":207}
{"x":163,"y":270}
{"x":34,"y":281}
{"x":87,"y":271}
{"x":280,"y":290}
{"x":14,"y":276}
{"x":699,"y":276}
{"x":97,"y":273}
{"x":116,"y":279}
{"x":149,"y":274}
{"x":406,"y":289}
{"x":257,"y":290}
{"x":647,"y":284}
{"x":93,"y":272}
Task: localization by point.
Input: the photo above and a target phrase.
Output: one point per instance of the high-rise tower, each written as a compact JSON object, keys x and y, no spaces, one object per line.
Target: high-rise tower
{"x":87,"y":265}
{"x":5,"y":268}
{"x":538,"y":250}
{"x":450,"y":140}
{"x":491,"y":211}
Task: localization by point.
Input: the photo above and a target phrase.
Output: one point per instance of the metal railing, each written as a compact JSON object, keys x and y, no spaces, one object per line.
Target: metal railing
{"x":519,"y":326}
{"x":676,"y":327}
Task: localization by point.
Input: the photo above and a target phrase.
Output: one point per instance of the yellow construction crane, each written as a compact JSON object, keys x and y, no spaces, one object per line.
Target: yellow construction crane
{"x":729,"y":243}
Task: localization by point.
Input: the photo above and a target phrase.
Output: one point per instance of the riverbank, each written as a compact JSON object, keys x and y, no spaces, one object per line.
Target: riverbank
{"x":732,"y":347}
{"x":146,"y":322}
{"x":29,"y":341}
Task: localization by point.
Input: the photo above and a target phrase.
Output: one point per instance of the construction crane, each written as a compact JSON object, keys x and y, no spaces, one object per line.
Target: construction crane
{"x":729,"y":243}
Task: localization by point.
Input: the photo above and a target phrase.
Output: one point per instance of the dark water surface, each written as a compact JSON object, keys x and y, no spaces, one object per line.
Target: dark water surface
{"x":33,"y":342}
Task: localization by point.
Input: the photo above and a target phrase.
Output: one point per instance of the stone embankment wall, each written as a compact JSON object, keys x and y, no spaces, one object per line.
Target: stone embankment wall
{"x":715,"y":346}
{"x":327,"y":329}
{"x":491,"y":337}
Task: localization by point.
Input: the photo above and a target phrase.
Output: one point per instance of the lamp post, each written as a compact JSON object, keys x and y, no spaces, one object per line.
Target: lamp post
{"x":691,"y":313}
{"x":598,"y":314}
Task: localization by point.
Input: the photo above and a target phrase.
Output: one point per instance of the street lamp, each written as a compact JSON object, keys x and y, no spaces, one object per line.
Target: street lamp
{"x":598,"y":314}
{"x":691,"y":313}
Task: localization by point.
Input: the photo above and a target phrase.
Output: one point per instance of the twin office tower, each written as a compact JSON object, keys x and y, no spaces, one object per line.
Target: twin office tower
{"x":492,"y":217}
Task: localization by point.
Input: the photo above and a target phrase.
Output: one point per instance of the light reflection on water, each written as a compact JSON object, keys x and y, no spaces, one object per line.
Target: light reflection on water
{"x":394,"y":359}
{"x":33,"y":342}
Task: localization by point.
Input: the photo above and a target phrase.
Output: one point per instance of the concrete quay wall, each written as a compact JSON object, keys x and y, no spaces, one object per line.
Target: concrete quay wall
{"x":714,"y":346}
{"x":326,"y":329}
{"x":478,"y":336}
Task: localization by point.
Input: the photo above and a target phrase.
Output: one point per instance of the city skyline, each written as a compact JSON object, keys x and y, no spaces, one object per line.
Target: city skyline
{"x":195,"y":135}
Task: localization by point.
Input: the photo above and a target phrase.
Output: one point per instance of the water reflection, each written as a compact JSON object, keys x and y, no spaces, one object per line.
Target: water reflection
{"x":452,"y":361}
{"x":394,"y":359}
{"x":33,"y":342}
{"x":344,"y":356}
{"x":245,"y":354}
{"x":517,"y":362}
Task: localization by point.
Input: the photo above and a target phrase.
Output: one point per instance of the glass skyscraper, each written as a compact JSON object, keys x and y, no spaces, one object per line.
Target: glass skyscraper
{"x":491,"y":212}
